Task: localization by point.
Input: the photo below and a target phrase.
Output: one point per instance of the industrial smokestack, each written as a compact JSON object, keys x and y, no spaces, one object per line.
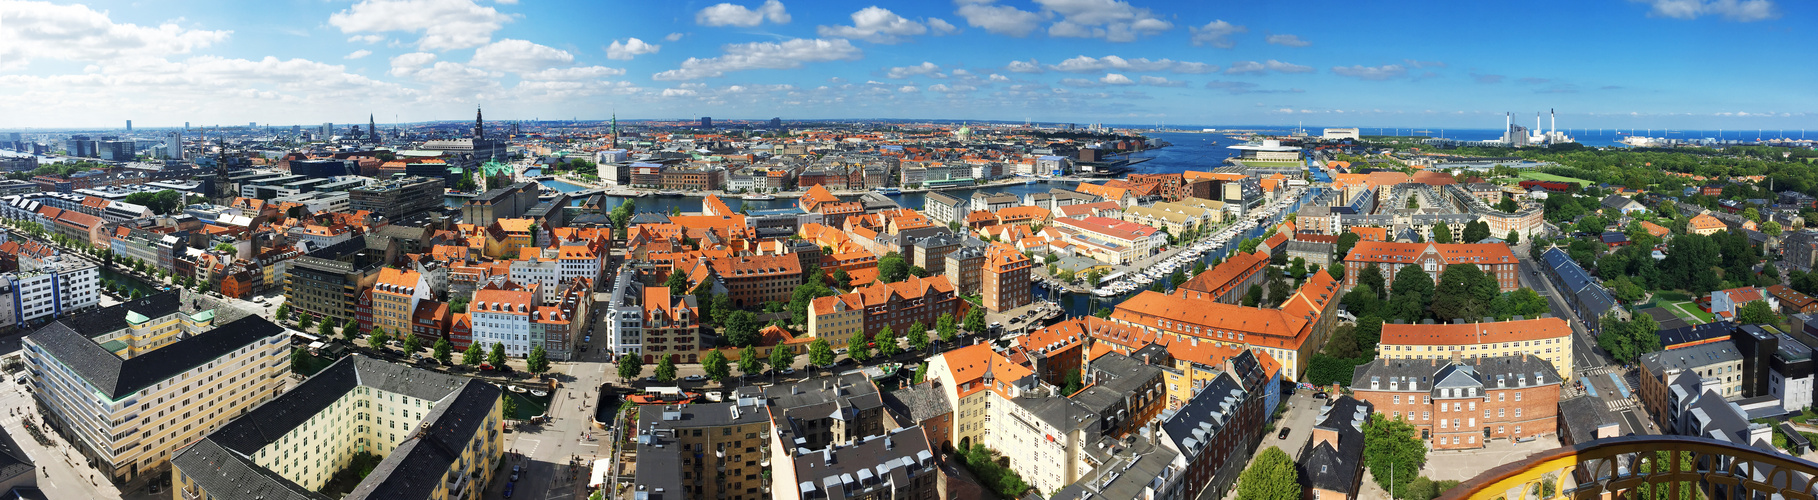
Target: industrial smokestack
{"x":1552,"y":122}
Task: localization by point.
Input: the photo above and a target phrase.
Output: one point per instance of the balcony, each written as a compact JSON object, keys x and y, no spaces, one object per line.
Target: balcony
{"x":1627,"y":467}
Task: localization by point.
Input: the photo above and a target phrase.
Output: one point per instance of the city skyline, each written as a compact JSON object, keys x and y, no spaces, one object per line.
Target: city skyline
{"x":1630,"y":64}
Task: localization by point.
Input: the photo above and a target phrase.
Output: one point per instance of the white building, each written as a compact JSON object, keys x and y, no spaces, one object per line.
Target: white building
{"x":503,"y":317}
{"x":625,"y":315}
{"x":58,"y":286}
{"x":1051,"y":165}
{"x":1334,"y":134}
{"x":553,"y":267}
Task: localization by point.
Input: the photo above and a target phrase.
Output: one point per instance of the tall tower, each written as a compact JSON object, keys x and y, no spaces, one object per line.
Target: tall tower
{"x":615,"y":130}
{"x":372,"y":129}
{"x":479,"y":128}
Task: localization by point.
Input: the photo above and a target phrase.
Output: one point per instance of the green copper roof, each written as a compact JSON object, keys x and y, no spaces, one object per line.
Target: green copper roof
{"x":203,"y":317}
{"x":135,"y":318}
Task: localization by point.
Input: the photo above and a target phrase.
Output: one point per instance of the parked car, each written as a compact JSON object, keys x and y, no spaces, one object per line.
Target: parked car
{"x":508,"y":489}
{"x":694,"y":378}
{"x":1283,"y":434}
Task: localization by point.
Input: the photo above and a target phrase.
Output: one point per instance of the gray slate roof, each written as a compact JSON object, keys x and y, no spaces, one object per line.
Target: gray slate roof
{"x":117,"y":378}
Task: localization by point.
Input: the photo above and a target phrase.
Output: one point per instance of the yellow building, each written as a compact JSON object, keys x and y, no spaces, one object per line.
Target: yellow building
{"x":129,"y":384}
{"x":437,"y":436}
{"x":835,"y":318}
{"x":395,"y":297}
{"x":705,"y":451}
{"x":1549,"y":339}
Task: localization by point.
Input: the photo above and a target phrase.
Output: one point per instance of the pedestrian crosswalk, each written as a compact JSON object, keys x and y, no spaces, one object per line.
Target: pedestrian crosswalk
{"x":1622,"y":404}
{"x":1601,"y":370}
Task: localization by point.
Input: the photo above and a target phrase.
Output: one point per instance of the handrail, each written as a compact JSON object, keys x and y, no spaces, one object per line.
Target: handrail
{"x":1611,"y":468}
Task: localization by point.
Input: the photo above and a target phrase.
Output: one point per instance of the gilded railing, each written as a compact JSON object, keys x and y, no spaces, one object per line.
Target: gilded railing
{"x":1647,"y":468}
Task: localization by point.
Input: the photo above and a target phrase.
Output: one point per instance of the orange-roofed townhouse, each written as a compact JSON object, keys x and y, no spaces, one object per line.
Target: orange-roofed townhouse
{"x":1704,"y":224}
{"x":971,"y":376}
{"x":1056,"y":350}
{"x":430,"y":322}
{"x":1112,"y":241}
{"x":1005,"y":281}
{"x":501,"y":315}
{"x":1726,"y":304}
{"x":900,"y":305}
{"x":505,"y":238}
{"x":836,"y":318}
{"x":1549,"y":339}
{"x":1289,"y":334}
{"x":1026,"y":216}
{"x":1122,"y":196}
{"x":755,"y":280}
{"x":1229,"y":281}
{"x":1432,"y":258}
{"x":671,"y":326}
{"x":395,"y":297}
{"x":819,"y":200}
{"x":964,"y":268}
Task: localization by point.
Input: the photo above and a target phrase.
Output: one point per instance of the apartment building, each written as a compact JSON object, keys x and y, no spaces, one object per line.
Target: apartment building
{"x":1719,"y":364}
{"x":836,"y":318}
{"x":671,"y":326}
{"x":755,"y":280}
{"x":970,"y":377}
{"x":395,"y":297}
{"x":704,"y":451}
{"x":902,"y":304}
{"x":1432,"y":258}
{"x":1213,"y":433}
{"x":502,"y":315}
{"x":397,"y":198}
{"x":1005,"y":278}
{"x":1549,"y":339}
{"x":899,"y":465}
{"x":555,"y":267}
{"x":51,"y":287}
{"x":328,"y":282}
{"x":1288,"y":334}
{"x":965,"y":268}
{"x":1111,"y":241}
{"x":823,"y":412}
{"x":1333,"y":459}
{"x":1462,"y":403}
{"x":1229,"y":281}
{"x":439,"y":434}
{"x":126,"y":398}
{"x":624,"y":313}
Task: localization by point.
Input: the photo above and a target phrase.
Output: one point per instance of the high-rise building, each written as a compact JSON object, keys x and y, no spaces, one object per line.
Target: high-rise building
{"x":173,"y":142}
{"x":185,"y":125}
{"x":328,"y":129}
{"x":398,"y":198}
{"x":776,"y":122}
{"x":17,"y":137}
{"x":80,"y":146}
{"x":117,"y":150}
{"x":706,"y":122}
{"x":129,"y":125}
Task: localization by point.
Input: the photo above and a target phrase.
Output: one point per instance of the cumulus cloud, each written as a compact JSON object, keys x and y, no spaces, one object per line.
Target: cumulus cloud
{"x":998,"y":19}
{"x":1156,"y":81}
{"x":879,"y":25}
{"x":1112,"y":20}
{"x":1195,"y":68}
{"x":763,"y":55}
{"x":923,"y":69}
{"x":1253,"y":67}
{"x":366,"y":38}
{"x":1287,"y":40}
{"x":1383,"y":72}
{"x":907,"y":89}
{"x":940,"y":26}
{"x":445,"y":24}
{"x":41,"y":30}
{"x":729,"y":14}
{"x":572,"y":74}
{"x":1217,"y":34}
{"x":1089,"y":64}
{"x":679,"y":92}
{"x":673,"y":37}
{"x":1115,"y":79}
{"x":519,"y":56}
{"x":358,"y":54}
{"x":1029,"y":66}
{"x":632,"y":47}
{"x":1734,"y":10}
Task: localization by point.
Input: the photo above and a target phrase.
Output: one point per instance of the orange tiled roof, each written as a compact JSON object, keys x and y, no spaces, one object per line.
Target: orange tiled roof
{"x":1474,"y":333}
{"x":1452,"y":253}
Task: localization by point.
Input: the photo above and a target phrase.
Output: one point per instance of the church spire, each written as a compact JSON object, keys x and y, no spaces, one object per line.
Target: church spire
{"x":372,"y":128}
{"x":479,"y":127}
{"x":615,"y":130}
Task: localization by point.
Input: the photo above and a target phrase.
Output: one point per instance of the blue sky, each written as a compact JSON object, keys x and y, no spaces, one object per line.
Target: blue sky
{"x":1708,"y":64}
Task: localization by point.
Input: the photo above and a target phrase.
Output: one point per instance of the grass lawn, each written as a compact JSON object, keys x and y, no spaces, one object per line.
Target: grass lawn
{"x":1542,"y":176}
{"x":1690,"y":312}
{"x":313,"y":364}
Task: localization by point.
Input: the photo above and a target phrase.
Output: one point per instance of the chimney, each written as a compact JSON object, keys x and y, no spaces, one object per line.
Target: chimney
{"x":1457,"y":356}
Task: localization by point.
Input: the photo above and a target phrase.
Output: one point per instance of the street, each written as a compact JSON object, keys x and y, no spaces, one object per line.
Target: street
{"x":61,"y":471}
{"x":1619,"y":402}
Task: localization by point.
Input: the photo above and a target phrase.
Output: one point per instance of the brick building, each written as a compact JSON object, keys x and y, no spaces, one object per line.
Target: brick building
{"x":757,"y":279}
{"x":1462,"y":403}
{"x":1392,"y":257}
{"x":1004,"y":280}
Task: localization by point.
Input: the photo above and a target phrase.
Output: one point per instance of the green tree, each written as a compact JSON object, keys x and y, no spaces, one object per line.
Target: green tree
{"x":299,"y":360}
{"x":306,"y":321}
{"x":1771,"y":228}
{"x":1464,"y":292}
{"x":1102,"y":313}
{"x":1476,"y":231}
{"x":1442,"y":233}
{"x":283,"y":312}
{"x":946,"y":327}
{"x":1342,"y":343}
{"x":1392,"y":449}
{"x":892,"y":268}
{"x":472,"y":355}
{"x":444,"y":351}
{"x":742,"y":328}
{"x":1270,"y":477}
{"x":975,"y":321}
{"x":918,"y":337}
{"x":782,"y":358}
{"x":630,"y":365}
{"x":326,"y":330}
{"x":1410,"y":295}
{"x":749,"y":361}
{"x":665,"y":370}
{"x":1757,"y":312}
{"x":677,"y":283}
{"x":1368,"y":333}
{"x":1372,"y":277}
{"x":1254,"y":297}
{"x":1514,"y":238}
{"x":510,"y":408}
{"x":721,"y":308}
{"x":820,"y":352}
{"x":538,"y":360}
{"x":887,"y":345}
{"x":1752,"y":214}
{"x":715,"y":366}
{"x":376,"y":341}
{"x":496,"y":357}
{"x":857,"y":347}
{"x":411,"y":343}
{"x":1360,"y":299}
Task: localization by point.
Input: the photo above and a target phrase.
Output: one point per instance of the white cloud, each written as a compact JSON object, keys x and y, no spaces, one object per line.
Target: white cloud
{"x":728,"y":14}
{"x":519,"y":56}
{"x":445,"y":24}
{"x":366,"y":38}
{"x":1287,"y":40}
{"x":999,"y":19}
{"x":679,"y":92}
{"x":41,"y":30}
{"x":632,"y":47}
{"x":1383,"y":72}
{"x":997,"y":78}
{"x":1418,"y":64}
{"x":908,"y":89}
{"x":1217,"y":34}
{"x":940,"y":26}
{"x":1253,"y":67}
{"x":673,"y":37}
{"x":1088,"y":64}
{"x":1195,"y":68}
{"x":1157,"y":81}
{"x":358,"y":54}
{"x":1029,"y":66}
{"x":1112,"y":20}
{"x":879,"y":25}
{"x":1734,"y":10}
{"x":939,"y":88}
{"x":923,"y":69}
{"x":764,"y":55}
{"x":572,"y":74}
{"x":1115,"y":79}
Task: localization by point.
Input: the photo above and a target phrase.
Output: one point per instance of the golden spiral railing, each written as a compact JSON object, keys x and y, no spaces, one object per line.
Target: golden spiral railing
{"x":1647,"y":468}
